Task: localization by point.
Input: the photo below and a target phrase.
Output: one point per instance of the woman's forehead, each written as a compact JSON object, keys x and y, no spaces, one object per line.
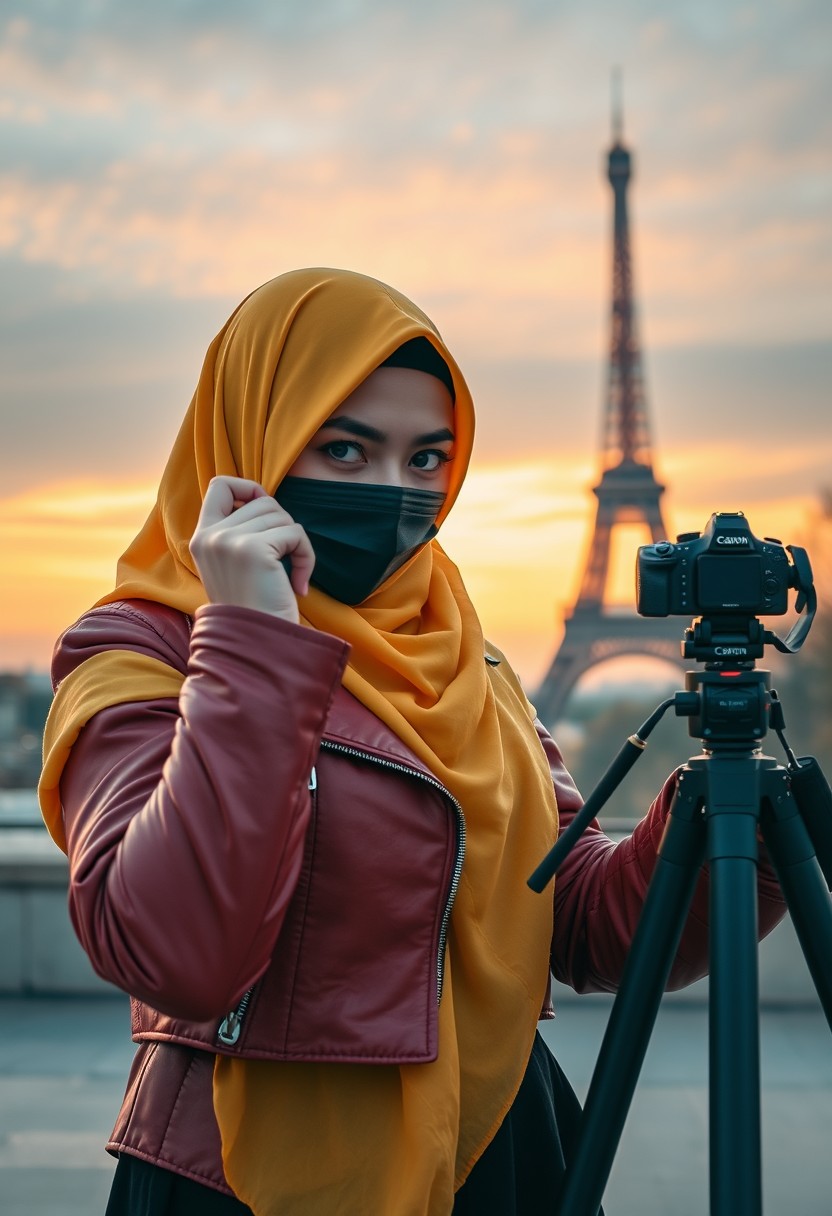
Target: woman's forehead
{"x":399,"y":399}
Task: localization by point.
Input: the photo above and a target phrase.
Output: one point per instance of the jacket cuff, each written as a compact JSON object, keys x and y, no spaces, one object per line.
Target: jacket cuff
{"x":263,"y":642}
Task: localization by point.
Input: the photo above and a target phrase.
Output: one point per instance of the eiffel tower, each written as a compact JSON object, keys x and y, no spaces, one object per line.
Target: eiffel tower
{"x":628,"y":491}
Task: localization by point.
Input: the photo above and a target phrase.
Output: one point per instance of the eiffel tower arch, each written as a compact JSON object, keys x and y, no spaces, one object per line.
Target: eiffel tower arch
{"x":627,"y":492}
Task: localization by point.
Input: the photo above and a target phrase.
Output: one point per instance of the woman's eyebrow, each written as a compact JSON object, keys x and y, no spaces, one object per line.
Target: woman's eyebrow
{"x":353,"y":427}
{"x":435,"y":436}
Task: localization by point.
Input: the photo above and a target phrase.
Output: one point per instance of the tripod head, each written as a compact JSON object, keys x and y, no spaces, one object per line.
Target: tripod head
{"x":729,"y":703}
{"x":727,"y":709}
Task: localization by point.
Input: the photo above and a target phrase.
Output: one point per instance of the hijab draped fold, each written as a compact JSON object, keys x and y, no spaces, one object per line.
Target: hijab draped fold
{"x":321,"y":1139}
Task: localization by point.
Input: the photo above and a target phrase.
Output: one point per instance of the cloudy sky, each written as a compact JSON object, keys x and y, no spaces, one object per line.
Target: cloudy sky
{"x":159,"y":160}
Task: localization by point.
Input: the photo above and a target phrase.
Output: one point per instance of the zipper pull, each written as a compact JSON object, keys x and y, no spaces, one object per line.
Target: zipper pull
{"x":232,"y":1023}
{"x":230,"y":1026}
{"x":313,"y":781}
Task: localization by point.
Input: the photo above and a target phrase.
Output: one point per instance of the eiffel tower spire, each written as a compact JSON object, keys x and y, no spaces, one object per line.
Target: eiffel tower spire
{"x":626,"y":438}
{"x":628,"y":491}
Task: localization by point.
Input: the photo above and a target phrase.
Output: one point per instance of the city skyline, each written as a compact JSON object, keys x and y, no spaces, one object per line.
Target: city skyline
{"x":159,"y":164}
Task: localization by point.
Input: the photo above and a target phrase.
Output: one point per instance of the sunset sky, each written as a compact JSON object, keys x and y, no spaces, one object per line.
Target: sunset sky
{"x":159,"y":160}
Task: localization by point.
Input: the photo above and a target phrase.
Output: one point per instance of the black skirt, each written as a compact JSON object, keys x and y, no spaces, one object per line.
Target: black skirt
{"x":519,"y":1174}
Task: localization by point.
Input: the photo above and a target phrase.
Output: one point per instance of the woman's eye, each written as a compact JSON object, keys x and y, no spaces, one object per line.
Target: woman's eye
{"x":429,"y":460}
{"x":344,"y":450}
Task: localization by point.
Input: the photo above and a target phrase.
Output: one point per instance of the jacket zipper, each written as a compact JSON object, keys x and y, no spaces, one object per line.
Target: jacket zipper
{"x":232,"y":1024}
{"x":328,"y":745}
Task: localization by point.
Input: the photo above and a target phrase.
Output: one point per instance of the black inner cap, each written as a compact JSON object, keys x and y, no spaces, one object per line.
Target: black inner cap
{"x":419,"y":355}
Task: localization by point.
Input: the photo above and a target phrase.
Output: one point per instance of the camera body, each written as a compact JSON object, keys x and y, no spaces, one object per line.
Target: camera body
{"x":725,"y":570}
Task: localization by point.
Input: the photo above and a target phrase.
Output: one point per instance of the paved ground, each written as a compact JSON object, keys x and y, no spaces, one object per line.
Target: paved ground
{"x":63,"y":1064}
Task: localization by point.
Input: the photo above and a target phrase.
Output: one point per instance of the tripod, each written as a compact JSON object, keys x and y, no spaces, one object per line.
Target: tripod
{"x":725,"y":800}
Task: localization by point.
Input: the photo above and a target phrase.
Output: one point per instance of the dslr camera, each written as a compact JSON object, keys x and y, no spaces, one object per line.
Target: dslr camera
{"x":725,"y":570}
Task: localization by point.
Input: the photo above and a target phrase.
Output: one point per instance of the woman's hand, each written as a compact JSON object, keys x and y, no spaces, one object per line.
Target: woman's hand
{"x":240,"y":538}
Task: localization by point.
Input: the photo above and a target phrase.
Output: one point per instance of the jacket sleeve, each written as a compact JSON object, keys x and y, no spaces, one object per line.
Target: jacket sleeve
{"x":186,"y":819}
{"x":600,"y":889}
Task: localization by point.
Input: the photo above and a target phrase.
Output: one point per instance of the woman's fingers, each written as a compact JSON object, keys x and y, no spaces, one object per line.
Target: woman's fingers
{"x":222,"y":495}
{"x":241,"y":541}
{"x":302,"y":558}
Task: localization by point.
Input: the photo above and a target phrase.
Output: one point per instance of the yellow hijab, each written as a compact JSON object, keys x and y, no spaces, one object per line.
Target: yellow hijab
{"x":322,"y":1139}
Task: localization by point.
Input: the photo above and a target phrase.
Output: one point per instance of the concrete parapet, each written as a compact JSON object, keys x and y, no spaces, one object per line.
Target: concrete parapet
{"x":39,"y":952}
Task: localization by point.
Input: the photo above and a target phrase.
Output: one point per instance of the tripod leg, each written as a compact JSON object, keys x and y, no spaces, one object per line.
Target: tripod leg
{"x":732,"y":809}
{"x":634,"y":1011}
{"x":804,"y":888}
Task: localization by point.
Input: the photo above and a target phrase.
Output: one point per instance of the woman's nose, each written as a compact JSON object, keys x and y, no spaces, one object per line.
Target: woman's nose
{"x":390,"y":472}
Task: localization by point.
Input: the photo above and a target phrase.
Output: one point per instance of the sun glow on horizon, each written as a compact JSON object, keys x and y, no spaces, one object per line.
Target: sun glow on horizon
{"x":519,"y":534}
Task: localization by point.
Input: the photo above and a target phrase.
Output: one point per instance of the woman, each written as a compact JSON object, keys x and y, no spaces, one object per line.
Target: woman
{"x":301,"y":797}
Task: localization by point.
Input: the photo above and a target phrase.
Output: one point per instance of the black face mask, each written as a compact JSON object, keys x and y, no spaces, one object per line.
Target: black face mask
{"x":360,"y":533}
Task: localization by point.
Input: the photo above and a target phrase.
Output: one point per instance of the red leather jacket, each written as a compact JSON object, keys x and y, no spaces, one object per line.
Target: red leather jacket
{"x":269,"y":871}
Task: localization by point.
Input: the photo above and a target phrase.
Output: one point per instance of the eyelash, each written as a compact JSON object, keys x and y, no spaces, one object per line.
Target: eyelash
{"x":442,"y":457}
